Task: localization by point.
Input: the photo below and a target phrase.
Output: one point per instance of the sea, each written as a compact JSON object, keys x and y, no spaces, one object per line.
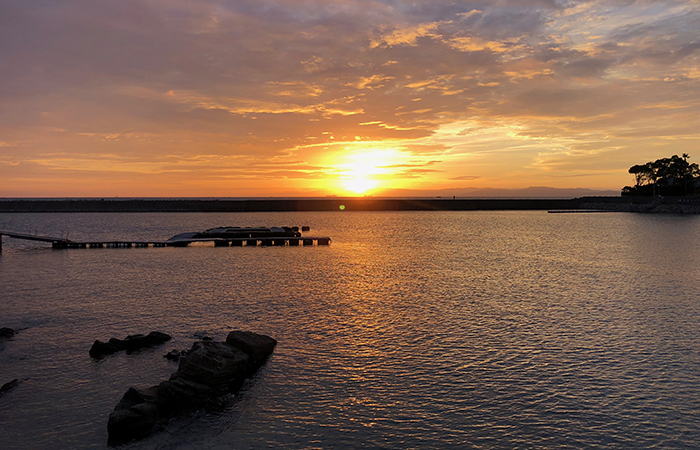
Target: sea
{"x":412,"y":330}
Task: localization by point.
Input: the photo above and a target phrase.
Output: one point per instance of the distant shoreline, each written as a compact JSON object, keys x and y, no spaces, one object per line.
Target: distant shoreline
{"x":302,"y":204}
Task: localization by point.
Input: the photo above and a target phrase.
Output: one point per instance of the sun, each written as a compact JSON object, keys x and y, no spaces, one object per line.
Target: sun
{"x":358,"y":177}
{"x":367,"y":169}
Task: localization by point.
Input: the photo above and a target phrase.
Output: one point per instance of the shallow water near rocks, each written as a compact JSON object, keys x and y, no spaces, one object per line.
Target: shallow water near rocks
{"x":412,"y":330}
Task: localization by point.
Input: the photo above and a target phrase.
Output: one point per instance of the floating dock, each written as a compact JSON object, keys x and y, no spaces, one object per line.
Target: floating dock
{"x":241,"y":237}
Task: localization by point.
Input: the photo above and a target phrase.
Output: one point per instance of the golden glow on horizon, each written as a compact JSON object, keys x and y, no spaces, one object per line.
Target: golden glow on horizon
{"x":368,"y":170}
{"x":296,"y":109}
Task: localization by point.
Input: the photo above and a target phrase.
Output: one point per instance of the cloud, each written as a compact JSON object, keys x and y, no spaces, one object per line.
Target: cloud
{"x":585,"y":67}
{"x":407,"y":35}
{"x":136,"y":83}
{"x":471,"y":44}
{"x":371,"y":82}
{"x":465,"y":178}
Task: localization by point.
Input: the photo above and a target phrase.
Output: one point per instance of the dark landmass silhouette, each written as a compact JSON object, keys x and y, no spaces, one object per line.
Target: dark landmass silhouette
{"x":666,"y":176}
{"x":529,"y":192}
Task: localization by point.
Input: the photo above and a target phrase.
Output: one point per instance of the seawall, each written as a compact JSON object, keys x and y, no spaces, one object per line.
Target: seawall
{"x":275,"y":204}
{"x":672,"y":205}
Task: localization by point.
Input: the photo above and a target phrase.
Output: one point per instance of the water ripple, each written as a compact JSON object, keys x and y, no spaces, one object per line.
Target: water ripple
{"x":412,"y":330}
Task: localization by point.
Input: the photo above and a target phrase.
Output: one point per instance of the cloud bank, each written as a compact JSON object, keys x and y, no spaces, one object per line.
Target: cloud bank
{"x":240,"y":98}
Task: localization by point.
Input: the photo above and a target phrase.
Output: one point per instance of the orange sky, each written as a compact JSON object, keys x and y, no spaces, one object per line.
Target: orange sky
{"x":349,"y":97}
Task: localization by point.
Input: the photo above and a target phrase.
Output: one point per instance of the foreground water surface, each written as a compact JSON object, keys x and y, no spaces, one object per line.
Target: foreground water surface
{"x":412,"y":330}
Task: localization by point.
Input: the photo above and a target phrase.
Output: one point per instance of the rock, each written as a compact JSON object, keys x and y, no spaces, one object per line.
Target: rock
{"x":180,"y":394}
{"x":133,"y":423}
{"x":136,"y":396}
{"x":134,"y":416}
{"x":202,"y":336}
{"x":130,"y":343}
{"x":100,"y":349}
{"x":7,"y":333}
{"x":139,"y":341}
{"x":208,"y":371}
{"x":215,"y":364}
{"x":173,"y":355}
{"x":258,"y":346}
{"x":8,"y":386}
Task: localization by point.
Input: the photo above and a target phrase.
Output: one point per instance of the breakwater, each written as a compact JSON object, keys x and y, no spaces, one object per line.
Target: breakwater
{"x":294,"y":204}
{"x":668,"y":205}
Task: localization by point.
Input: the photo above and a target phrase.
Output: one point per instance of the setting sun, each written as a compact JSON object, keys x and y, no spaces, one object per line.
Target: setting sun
{"x":367,"y":169}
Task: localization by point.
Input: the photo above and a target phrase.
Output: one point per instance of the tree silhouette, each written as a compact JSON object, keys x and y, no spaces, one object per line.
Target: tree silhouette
{"x":665,"y":176}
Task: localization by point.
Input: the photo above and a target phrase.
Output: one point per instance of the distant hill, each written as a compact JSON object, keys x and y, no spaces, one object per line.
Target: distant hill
{"x":530,"y":192}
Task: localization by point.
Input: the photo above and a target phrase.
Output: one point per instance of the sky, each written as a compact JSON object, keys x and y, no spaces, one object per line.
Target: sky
{"x":257,"y":98}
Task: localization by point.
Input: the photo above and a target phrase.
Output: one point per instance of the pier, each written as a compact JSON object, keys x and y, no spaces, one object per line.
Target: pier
{"x":272,"y":241}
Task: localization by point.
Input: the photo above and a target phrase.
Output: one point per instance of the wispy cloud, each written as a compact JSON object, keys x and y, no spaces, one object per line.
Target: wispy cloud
{"x":569,"y":90}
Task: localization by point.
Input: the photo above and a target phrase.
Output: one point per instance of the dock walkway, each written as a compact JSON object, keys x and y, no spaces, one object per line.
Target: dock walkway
{"x":62,"y":243}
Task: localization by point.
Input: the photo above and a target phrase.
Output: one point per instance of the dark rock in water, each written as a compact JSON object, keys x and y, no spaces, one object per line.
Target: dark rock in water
{"x":100,"y":349}
{"x":139,"y":341}
{"x":181,"y":394}
{"x":258,"y":346}
{"x":215,"y":364}
{"x":202,"y":336}
{"x":134,"y":423}
{"x":8,"y":386}
{"x":136,"y":414}
{"x":173,"y":355}
{"x":131,"y":343}
{"x":208,"y":371}
{"x":136,"y":396}
{"x":7,"y":333}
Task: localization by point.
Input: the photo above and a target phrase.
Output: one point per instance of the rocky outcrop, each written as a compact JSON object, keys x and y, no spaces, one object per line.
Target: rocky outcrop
{"x":207,"y":371}
{"x":130,"y":343}
{"x":257,"y":346}
{"x":7,"y":333}
{"x":100,"y":349}
{"x":9,"y":386}
{"x":175,"y":354}
{"x":135,"y":414}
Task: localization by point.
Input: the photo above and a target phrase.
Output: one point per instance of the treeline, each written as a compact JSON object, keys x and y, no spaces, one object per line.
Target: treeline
{"x":665,"y":176}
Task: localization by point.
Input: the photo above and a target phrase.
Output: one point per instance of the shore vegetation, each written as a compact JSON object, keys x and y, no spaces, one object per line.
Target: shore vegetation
{"x":673,"y":176}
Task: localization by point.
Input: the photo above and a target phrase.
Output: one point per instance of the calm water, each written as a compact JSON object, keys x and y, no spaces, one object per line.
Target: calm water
{"x":412,"y":330}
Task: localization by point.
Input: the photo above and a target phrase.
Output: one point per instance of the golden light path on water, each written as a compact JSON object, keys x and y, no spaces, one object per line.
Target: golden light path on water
{"x":413,"y":329}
